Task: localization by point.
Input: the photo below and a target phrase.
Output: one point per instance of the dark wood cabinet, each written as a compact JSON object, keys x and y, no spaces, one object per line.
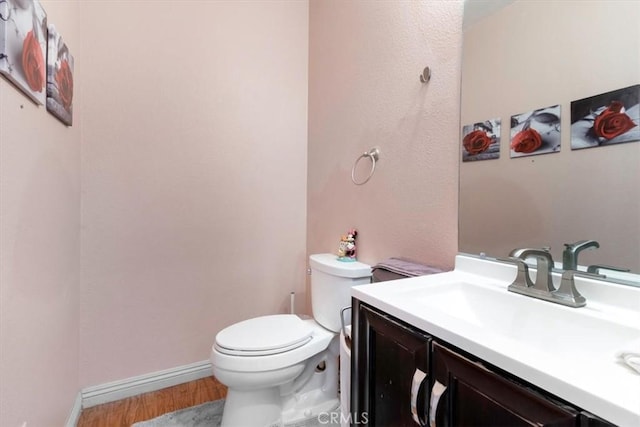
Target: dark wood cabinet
{"x":589,"y":420}
{"x":396,"y":366}
{"x":390,"y":372}
{"x":477,"y":396}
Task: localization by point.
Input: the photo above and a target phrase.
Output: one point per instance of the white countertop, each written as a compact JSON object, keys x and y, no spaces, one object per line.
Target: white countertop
{"x":570,"y":352}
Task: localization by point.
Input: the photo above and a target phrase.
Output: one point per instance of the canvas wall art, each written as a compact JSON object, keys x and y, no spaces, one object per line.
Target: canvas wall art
{"x":535,"y":132}
{"x":481,"y":141}
{"x":23,"y":46}
{"x":606,"y":119}
{"x":59,"y":78}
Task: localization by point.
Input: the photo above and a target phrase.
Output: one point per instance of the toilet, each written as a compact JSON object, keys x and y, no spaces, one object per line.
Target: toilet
{"x":281,"y":370}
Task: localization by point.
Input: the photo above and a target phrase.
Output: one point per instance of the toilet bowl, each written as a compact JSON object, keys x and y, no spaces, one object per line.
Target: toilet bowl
{"x":281,"y":370}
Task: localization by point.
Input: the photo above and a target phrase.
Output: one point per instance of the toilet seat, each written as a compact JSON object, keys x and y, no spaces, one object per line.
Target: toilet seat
{"x":263,"y":336}
{"x":245,"y":362}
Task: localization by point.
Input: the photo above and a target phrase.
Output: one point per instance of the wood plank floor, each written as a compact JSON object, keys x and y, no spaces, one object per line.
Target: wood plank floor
{"x":125,"y":412}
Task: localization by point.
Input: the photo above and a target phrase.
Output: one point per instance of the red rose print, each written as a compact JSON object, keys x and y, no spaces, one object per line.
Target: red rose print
{"x":526,"y":141}
{"x":612,"y":122}
{"x":64,"y":81}
{"x":476,"y":142}
{"x":33,"y":63}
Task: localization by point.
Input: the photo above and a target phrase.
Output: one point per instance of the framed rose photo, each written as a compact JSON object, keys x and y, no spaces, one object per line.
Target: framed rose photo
{"x":535,"y":132}
{"x":23,"y":46}
{"x":59,"y":78}
{"x":481,"y":141}
{"x":606,"y":119}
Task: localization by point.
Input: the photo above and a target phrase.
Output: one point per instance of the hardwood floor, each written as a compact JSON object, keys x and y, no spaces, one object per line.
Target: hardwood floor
{"x":125,"y":412}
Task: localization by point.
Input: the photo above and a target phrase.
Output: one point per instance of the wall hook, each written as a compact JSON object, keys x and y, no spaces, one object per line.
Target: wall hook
{"x":426,"y":75}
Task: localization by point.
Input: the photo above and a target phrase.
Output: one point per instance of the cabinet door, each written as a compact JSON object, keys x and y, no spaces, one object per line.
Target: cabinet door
{"x":391,"y":367}
{"x":475,"y":396}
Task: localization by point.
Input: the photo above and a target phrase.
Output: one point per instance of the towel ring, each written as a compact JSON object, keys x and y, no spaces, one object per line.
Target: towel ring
{"x":374,"y":155}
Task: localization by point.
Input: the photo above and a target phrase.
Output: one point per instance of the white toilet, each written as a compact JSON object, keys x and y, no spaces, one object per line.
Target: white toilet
{"x":281,"y":370}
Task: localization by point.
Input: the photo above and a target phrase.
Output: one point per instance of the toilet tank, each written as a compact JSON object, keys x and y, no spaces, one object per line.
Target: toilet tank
{"x":331,"y":282}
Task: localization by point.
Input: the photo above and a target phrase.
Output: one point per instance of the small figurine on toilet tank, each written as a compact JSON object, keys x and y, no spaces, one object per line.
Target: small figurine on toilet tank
{"x":347,"y":247}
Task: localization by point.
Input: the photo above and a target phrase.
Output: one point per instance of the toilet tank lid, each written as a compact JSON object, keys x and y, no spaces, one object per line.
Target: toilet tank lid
{"x":328,"y":263}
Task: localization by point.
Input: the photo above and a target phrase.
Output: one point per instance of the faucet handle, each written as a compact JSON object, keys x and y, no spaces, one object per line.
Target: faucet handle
{"x":597,"y":267}
{"x":571,"y":250}
{"x":580,"y":244}
{"x":567,"y":291}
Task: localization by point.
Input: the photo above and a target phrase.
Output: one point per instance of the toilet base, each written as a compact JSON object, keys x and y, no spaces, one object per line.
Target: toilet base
{"x":308,"y":400}
{"x":325,"y":414}
{"x":319,"y":396}
{"x":265,"y":408}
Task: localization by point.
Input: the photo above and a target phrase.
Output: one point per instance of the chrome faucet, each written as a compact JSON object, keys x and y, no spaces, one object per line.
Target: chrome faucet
{"x":571,"y":251}
{"x":543,"y":288}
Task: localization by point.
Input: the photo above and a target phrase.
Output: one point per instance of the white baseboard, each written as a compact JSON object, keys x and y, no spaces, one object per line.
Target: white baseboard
{"x":74,"y":416}
{"x":110,"y":392}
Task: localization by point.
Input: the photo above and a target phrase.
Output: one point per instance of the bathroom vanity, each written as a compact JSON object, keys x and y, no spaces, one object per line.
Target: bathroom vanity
{"x":457,"y":349}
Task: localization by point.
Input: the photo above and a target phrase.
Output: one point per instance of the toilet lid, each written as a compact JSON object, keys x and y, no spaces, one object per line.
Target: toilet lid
{"x":264,"y":335}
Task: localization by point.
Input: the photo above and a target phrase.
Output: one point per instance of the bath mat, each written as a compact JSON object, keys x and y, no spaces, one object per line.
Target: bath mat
{"x":206,"y":415}
{"x":210,"y":415}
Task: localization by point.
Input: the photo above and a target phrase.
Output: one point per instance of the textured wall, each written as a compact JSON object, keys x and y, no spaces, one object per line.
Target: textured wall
{"x":194,"y":176}
{"x":364,"y":91}
{"x":39,"y":249}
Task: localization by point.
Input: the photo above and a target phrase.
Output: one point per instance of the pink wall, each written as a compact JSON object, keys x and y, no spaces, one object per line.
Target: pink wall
{"x":193,"y":173}
{"x":364,"y":91}
{"x":39,"y":250}
{"x":192,"y":212}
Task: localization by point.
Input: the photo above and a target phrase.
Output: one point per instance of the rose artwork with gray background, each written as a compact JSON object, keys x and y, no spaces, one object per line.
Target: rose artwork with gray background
{"x":23,"y":46}
{"x":606,"y":119}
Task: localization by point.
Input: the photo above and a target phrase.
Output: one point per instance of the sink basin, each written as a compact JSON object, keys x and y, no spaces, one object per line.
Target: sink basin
{"x":531,"y":322}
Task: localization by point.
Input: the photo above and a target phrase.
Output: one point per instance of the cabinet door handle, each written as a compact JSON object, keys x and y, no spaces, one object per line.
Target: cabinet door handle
{"x":420,"y":379}
{"x":437,"y":391}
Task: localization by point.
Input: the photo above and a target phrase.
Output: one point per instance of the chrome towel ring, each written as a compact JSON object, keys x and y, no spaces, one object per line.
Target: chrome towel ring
{"x":374,"y":155}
